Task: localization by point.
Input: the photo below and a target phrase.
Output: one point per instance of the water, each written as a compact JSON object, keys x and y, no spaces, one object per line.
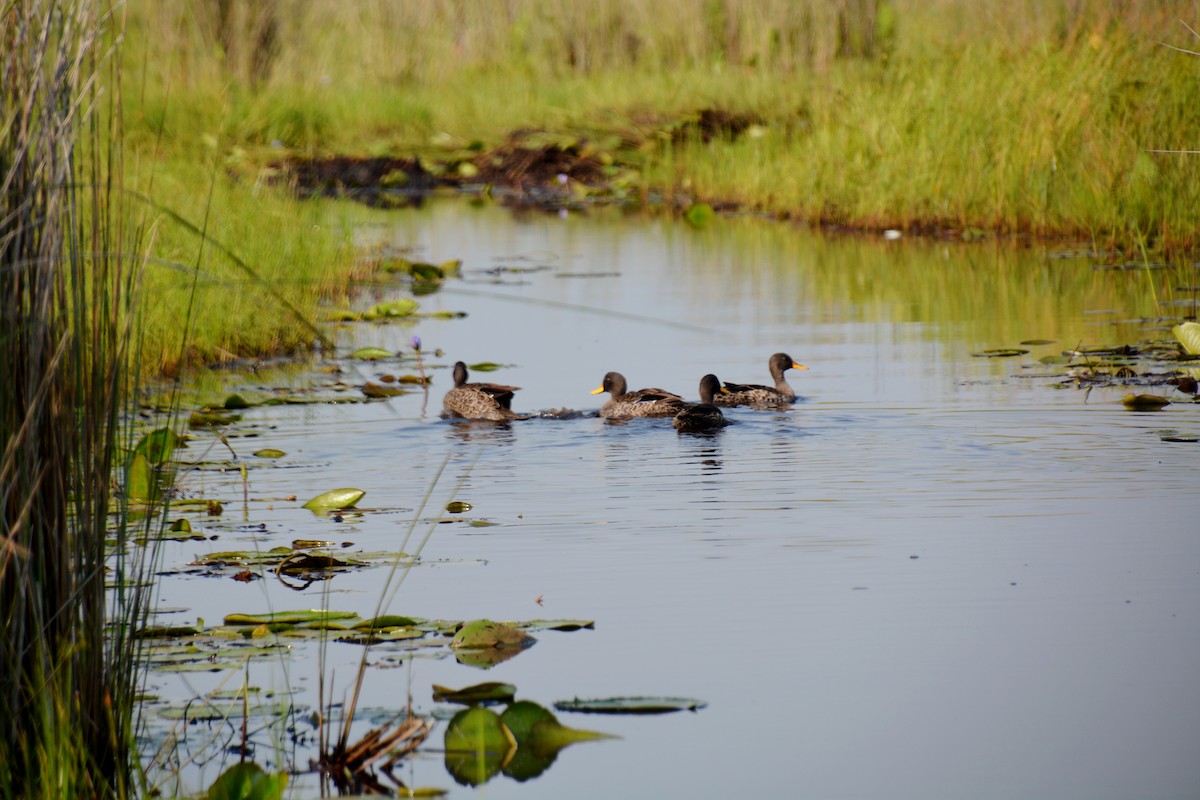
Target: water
{"x":936,"y":576}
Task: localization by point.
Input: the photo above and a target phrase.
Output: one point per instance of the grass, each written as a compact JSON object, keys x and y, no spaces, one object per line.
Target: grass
{"x":1032,"y":118}
{"x":67,"y":288}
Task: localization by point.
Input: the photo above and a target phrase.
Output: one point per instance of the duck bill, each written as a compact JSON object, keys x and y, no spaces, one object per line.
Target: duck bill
{"x":798,"y":366}
{"x":598,"y":390}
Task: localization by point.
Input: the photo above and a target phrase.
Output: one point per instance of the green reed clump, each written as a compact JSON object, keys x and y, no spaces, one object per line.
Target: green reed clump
{"x":67,"y":674}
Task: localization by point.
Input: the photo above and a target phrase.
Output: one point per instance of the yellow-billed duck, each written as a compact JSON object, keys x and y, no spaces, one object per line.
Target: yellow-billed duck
{"x":642,"y":403}
{"x":704,"y":416}
{"x":478,"y":400}
{"x":750,"y":394}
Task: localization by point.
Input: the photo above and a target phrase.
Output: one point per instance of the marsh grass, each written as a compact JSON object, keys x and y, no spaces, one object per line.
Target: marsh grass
{"x":1028,"y":116}
{"x":68,"y":284}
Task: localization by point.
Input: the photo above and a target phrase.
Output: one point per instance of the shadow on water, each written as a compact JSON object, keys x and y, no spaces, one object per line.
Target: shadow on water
{"x":937,"y":575}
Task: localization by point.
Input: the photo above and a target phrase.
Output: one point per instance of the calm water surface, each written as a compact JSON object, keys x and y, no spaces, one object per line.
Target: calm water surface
{"x":936,"y":576}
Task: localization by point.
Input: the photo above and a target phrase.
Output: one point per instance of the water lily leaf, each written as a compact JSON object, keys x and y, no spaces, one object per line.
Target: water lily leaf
{"x":402,"y":307}
{"x":376,"y":390}
{"x":1037,"y":341}
{"x":388,"y":621}
{"x":371,"y":354}
{"x":309,"y":615}
{"x":340,"y":315}
{"x":158,"y":445}
{"x":631,"y":705}
{"x":484,"y":366}
{"x":269,"y":452}
{"x":1055,"y":360}
{"x":477,"y":746}
{"x":1176,"y":436}
{"x":308,"y":562}
{"x":1188,"y":334}
{"x":211,"y":419}
{"x":224,"y":710}
{"x":335,"y":499}
{"x":1144,"y":402}
{"x":236,"y":401}
{"x":413,"y":379}
{"x":458,"y":507}
{"x":482,"y":634}
{"x":489,"y":692}
{"x":556,"y":624}
{"x":248,"y":781}
{"x":139,"y":480}
{"x":1003,"y":352}
{"x":699,"y":215}
{"x":488,"y":658}
{"x":540,"y":737}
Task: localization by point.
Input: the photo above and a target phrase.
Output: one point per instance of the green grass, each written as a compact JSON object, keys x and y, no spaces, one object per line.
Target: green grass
{"x":1028,"y":117}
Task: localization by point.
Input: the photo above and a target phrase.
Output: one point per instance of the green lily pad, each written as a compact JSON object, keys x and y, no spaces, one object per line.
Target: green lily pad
{"x":158,"y":445}
{"x":376,"y":390}
{"x":1144,"y":402}
{"x":140,"y":484}
{"x":631,"y":705}
{"x":477,"y":745}
{"x":484,"y":366}
{"x":484,"y":634}
{"x":489,"y":692}
{"x":335,"y":499}
{"x":540,"y":737}
{"x":269,"y":452}
{"x":699,"y":215}
{"x":458,"y":507}
{"x":402,"y":307}
{"x":371,"y":354}
{"x":556,"y":625}
{"x":248,"y":781}
{"x":388,"y":621}
{"x":236,"y":401}
{"x":1188,"y":334}
{"x":1037,"y":341}
{"x":303,"y":615}
{"x":1002,"y":352}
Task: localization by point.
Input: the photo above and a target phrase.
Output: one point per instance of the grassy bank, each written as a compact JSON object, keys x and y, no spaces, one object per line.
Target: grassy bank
{"x":1031,"y":117}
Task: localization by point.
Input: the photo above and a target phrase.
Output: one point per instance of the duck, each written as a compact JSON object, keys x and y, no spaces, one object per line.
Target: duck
{"x":478,"y":400}
{"x":703,"y":416}
{"x":751,"y":394}
{"x":642,"y":403}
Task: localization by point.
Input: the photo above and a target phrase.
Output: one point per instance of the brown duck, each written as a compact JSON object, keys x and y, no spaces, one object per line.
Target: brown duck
{"x":642,"y":403}
{"x":478,"y":400}
{"x":704,"y":416}
{"x":747,"y":394}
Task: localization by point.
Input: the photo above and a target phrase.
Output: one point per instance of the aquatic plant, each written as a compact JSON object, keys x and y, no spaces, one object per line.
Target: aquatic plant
{"x":68,"y":285}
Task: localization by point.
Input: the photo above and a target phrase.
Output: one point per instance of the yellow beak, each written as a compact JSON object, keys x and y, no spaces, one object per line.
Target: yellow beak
{"x":598,"y":390}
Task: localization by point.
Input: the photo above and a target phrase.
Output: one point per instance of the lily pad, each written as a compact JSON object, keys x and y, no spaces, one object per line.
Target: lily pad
{"x":480,"y":693}
{"x":335,"y":499}
{"x":1144,"y":402}
{"x":631,"y":705}
{"x":458,"y":506}
{"x":371,"y":354}
{"x":376,"y":390}
{"x":269,"y":452}
{"x":699,"y":215}
{"x":402,"y":307}
{"x":158,"y":445}
{"x":1188,"y":334}
{"x":303,"y":615}
{"x":484,"y":634}
{"x":1002,"y":352}
{"x":248,"y":781}
{"x":485,"y":366}
{"x":477,"y":746}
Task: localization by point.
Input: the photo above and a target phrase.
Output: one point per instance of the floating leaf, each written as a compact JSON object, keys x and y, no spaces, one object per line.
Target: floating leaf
{"x":310,"y":615}
{"x":458,"y":506}
{"x":482,"y":634}
{"x":269,"y":453}
{"x":139,"y":480}
{"x":158,"y":445}
{"x":371,"y":354}
{"x":1003,"y":352}
{"x":1176,"y":436}
{"x":489,"y":692}
{"x":1144,"y":402}
{"x":1037,"y":341}
{"x":540,"y":737}
{"x":308,"y":562}
{"x":335,"y":499}
{"x":1188,"y":334}
{"x":388,"y":621}
{"x":247,"y":781}
{"x":556,"y":624}
{"x":402,"y":307}
{"x":699,"y":215}
{"x":236,"y":401}
{"x":631,"y":705}
{"x":375,"y":390}
{"x":211,"y":419}
{"x":340,"y":315}
{"x":484,"y":366}
{"x":477,"y":745}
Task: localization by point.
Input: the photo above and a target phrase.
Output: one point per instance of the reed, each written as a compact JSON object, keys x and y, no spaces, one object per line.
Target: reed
{"x":67,"y":285}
